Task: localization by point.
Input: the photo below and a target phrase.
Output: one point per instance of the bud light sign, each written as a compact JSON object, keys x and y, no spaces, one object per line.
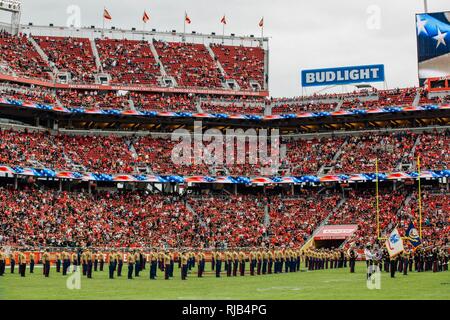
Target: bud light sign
{"x":343,"y":75}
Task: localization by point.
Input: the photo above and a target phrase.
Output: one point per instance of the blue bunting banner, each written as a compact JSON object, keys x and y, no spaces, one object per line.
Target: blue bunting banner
{"x":339,"y":178}
{"x":252,"y":117}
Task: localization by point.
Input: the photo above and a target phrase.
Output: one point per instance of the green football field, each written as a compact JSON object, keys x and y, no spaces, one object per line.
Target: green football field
{"x":321,"y":284}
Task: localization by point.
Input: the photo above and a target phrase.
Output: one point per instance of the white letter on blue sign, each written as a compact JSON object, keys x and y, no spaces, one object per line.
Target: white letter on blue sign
{"x":330,"y":76}
{"x":310,"y":77}
{"x":365,"y":74}
{"x":374,"y":73}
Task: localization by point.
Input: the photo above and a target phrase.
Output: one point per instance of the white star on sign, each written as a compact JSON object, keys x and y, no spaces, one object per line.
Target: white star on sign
{"x":421,"y":26}
{"x":440,"y":38}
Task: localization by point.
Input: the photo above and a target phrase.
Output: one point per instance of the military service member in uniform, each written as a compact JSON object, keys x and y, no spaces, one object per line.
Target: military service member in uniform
{"x":242,"y":263}
{"x":22,"y":259}
{"x":101,"y":260}
{"x":130,"y":260}
{"x":74,"y":259}
{"x":270,"y":261}
{"x":352,"y":258}
{"x":12,"y":261}
{"x":95,"y":256}
{"x":2,"y":263}
{"x":235,"y":256}
{"x":184,"y":265}
{"x":58,"y":262}
{"x":32,"y":262}
{"x":46,"y":263}
{"x":218,"y":260}
{"x":112,"y":264}
{"x":153,"y":265}
{"x":166,"y":266}
{"x":119,"y":257}
{"x":90,"y":262}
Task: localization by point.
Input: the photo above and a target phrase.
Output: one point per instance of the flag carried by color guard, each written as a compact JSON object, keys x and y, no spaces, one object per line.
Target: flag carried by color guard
{"x":106,"y":14}
{"x":413,"y":236}
{"x":187,"y":19}
{"x":223,"y":20}
{"x":145,"y":17}
{"x":394,"y":243}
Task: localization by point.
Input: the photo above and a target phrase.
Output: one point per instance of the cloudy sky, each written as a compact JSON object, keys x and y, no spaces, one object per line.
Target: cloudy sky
{"x":303,"y":34}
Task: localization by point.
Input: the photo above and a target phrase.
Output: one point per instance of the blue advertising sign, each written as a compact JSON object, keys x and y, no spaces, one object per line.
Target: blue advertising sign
{"x":343,"y":75}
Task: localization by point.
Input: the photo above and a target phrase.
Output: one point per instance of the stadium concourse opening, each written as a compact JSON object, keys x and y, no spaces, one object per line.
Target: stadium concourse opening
{"x":333,"y":236}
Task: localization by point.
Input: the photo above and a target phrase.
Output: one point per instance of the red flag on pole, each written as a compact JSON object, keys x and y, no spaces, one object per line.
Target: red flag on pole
{"x":187,"y":19}
{"x":145,"y":17}
{"x":223,"y":20}
{"x":261,"y":22}
{"x":106,"y":15}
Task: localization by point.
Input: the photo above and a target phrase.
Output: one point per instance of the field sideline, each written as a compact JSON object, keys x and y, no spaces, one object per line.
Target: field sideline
{"x":321,"y":284}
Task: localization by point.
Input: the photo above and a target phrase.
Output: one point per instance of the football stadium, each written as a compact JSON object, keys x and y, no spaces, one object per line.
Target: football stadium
{"x":144,"y":156}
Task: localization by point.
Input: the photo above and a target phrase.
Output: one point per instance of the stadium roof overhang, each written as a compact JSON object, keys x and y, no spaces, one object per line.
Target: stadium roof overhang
{"x":167,"y":122}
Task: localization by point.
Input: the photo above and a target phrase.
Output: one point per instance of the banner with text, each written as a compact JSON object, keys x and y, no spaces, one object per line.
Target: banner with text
{"x":343,"y":75}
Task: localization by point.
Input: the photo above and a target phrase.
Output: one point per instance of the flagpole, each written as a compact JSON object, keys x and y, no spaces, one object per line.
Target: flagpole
{"x":184,"y":27}
{"x":223,"y":33}
{"x":377,"y":200}
{"x":103,"y":28}
{"x":143,"y":24}
{"x":262,"y":28}
{"x":419,"y":198}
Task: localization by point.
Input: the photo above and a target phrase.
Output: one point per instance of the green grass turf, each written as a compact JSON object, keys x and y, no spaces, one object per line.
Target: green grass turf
{"x":321,"y":284}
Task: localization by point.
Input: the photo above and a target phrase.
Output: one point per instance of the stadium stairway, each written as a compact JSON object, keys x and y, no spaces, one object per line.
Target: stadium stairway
{"x":132,"y":149}
{"x":416,"y":100}
{"x":156,"y":56}
{"x":217,"y":62}
{"x":44,"y":57}
{"x":5,"y":68}
{"x":324,"y":169}
{"x":131,"y":105}
{"x":406,"y":165}
{"x":96,"y":56}
{"x":309,"y":242}
{"x":266,"y":70}
{"x":339,"y":105}
{"x":198,"y":106}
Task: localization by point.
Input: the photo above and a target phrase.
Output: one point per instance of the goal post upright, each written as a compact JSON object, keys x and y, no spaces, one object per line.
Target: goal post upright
{"x":419,"y":198}
{"x":377,"y":199}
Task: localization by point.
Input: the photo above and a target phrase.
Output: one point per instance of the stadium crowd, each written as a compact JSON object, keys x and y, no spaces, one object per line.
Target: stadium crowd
{"x":21,"y":57}
{"x":128,"y":61}
{"x":241,"y":63}
{"x":148,"y":101}
{"x":73,"y":55}
{"x":189,"y":63}
{"x":38,"y":216}
{"x":116,"y":154}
